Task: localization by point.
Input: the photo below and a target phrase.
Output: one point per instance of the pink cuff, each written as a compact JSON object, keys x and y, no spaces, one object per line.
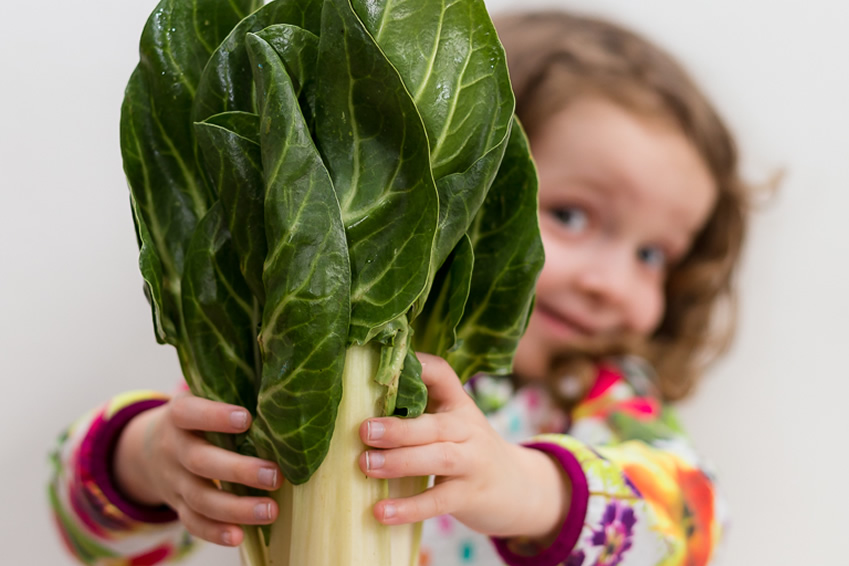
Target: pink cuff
{"x":565,"y":542}
{"x":99,"y":454}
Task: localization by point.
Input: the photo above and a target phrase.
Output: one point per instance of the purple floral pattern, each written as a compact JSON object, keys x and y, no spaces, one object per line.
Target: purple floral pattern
{"x":615,"y":534}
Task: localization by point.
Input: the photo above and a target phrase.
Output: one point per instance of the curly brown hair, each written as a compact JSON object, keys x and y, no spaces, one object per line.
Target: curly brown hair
{"x":555,"y":58}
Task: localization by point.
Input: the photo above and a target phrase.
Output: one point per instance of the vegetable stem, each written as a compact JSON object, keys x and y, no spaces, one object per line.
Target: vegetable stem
{"x":332,"y":520}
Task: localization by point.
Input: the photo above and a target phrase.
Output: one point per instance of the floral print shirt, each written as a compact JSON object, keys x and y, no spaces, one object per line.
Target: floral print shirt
{"x":640,"y":494}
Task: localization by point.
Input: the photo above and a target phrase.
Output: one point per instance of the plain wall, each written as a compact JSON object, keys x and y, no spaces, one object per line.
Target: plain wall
{"x":75,"y":327}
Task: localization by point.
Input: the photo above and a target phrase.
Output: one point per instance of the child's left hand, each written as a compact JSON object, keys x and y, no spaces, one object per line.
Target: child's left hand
{"x":488,"y":484}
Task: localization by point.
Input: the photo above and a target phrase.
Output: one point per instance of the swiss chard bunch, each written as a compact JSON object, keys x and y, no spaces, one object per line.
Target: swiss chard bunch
{"x":315,"y":178}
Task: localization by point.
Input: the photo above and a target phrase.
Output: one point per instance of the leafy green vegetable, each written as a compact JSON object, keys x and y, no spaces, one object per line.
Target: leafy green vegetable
{"x":307,"y":277}
{"x":315,"y":181}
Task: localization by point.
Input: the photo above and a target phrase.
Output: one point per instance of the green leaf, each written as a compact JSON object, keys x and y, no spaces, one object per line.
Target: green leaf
{"x":307,"y":280}
{"x":450,"y":58}
{"x":227,"y":82}
{"x":436,"y":326}
{"x":169,"y":189}
{"x":230,"y":146}
{"x":374,"y":143}
{"x":412,"y":392}
{"x":297,"y":48}
{"x":452,"y":62}
{"x":151,"y":270}
{"x":508,"y":258}
{"x":220,"y":315}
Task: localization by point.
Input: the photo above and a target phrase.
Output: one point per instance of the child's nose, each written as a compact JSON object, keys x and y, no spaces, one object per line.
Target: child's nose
{"x":607,"y":276}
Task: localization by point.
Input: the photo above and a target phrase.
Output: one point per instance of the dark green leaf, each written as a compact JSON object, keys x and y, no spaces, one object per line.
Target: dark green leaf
{"x":243,"y":124}
{"x":508,"y":258}
{"x":230,"y":146}
{"x":227,"y":82}
{"x":450,"y":58}
{"x":307,"y":279}
{"x":151,"y":270}
{"x":436,"y":326}
{"x":453,"y":64}
{"x":412,"y":392}
{"x":170,"y":190}
{"x":220,"y":316}
{"x":376,"y":149}
{"x":298,"y":48}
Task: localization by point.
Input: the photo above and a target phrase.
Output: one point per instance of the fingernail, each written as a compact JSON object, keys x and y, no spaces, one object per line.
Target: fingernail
{"x":374,"y":460}
{"x":389,"y":511}
{"x":262,"y":511}
{"x":227,"y":538}
{"x":239,"y":419}
{"x":268,"y":477}
{"x":375,"y":430}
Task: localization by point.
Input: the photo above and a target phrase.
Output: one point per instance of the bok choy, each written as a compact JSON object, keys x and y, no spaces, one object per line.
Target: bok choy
{"x":320,"y":188}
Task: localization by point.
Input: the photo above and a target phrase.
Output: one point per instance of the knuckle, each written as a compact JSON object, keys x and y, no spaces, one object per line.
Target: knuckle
{"x":195,"y":497}
{"x":439,"y":503}
{"x":178,"y":408}
{"x":447,"y":456}
{"x":443,"y":430}
{"x":194,"y":460}
{"x":396,"y":430}
{"x":441,"y":365}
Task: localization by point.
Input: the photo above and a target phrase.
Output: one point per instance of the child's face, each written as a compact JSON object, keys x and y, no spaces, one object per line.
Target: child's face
{"x":621,"y":198}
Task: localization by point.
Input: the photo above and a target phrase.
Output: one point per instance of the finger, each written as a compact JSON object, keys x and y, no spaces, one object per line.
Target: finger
{"x":213,"y":531}
{"x":444,"y":390}
{"x":442,"y":499}
{"x":195,"y":413}
{"x":442,"y":459}
{"x":393,"y":432}
{"x":202,"y":497}
{"x":211,"y":462}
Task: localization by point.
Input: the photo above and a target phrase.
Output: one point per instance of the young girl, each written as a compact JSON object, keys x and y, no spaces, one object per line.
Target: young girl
{"x":576,"y":458}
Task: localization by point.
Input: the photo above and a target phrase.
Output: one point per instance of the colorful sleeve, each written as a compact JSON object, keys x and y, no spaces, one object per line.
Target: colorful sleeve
{"x":640,"y":494}
{"x":97,"y":524}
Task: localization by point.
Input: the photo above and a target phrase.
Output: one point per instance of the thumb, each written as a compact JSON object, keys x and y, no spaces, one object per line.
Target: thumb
{"x":444,"y":390}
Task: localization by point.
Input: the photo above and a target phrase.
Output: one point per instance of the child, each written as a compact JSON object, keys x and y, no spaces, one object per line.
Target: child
{"x":642,"y":218}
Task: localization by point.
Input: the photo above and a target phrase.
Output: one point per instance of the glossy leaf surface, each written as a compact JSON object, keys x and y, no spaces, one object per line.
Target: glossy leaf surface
{"x":230,"y":146}
{"x":451,"y":61}
{"x":227,"y":82}
{"x":388,"y":198}
{"x":220,"y":315}
{"x":160,"y":160}
{"x":307,"y":280}
{"x":508,"y":258}
{"x":151,"y":269}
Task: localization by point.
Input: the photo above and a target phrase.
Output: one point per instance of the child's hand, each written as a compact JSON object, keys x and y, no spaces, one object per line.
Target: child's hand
{"x":162,"y":457}
{"x":490,"y":485}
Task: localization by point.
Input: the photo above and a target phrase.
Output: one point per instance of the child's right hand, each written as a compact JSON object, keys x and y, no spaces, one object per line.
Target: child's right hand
{"x":162,"y":457}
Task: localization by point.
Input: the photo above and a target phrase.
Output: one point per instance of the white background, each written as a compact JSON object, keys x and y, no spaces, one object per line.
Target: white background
{"x":75,"y":327}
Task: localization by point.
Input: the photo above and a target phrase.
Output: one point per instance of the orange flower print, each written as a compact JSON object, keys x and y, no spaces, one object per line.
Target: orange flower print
{"x":680,"y":496}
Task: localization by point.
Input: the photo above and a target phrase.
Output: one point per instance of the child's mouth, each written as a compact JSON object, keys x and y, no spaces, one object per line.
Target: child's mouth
{"x":563,"y":326}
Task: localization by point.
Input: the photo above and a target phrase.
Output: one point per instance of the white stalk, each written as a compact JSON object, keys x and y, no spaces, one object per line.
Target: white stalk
{"x":332,"y":521}
{"x":328,"y":521}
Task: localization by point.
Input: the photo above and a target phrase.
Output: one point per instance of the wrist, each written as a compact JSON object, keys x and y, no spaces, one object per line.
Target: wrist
{"x":546,"y":500}
{"x":130,"y":459}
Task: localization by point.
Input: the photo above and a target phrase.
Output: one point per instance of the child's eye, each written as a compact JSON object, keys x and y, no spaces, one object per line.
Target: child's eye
{"x":653,"y":257}
{"x":574,"y":218}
